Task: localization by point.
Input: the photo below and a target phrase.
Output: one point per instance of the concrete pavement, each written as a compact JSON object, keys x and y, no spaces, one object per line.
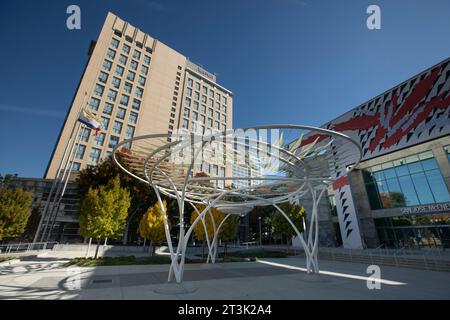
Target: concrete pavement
{"x":283,"y":278}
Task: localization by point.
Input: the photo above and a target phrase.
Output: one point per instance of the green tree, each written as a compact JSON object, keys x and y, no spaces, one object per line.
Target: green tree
{"x":15,"y":209}
{"x":229,"y":230}
{"x":103,"y":212}
{"x":151,"y":226}
{"x":142,"y":196}
{"x":282,"y":227}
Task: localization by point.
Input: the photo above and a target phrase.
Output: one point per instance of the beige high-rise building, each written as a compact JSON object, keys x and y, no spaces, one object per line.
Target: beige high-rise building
{"x":137,"y":85}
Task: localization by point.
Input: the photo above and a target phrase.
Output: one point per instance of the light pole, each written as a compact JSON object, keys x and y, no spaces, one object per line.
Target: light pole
{"x":260,"y":235}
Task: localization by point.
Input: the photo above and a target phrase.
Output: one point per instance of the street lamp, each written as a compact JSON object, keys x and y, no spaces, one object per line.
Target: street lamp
{"x":260,"y":235}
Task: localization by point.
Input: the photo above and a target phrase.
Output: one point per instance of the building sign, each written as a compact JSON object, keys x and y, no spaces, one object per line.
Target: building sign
{"x":201,"y":71}
{"x":431,"y":208}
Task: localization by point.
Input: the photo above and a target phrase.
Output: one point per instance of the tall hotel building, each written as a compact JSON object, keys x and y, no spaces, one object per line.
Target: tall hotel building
{"x":137,"y":85}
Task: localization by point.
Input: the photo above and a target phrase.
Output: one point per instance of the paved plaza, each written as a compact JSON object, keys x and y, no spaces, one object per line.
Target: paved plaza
{"x":283,"y":278}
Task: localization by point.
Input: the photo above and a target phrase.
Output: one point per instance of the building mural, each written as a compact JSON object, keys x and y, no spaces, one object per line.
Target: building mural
{"x":413,"y":112}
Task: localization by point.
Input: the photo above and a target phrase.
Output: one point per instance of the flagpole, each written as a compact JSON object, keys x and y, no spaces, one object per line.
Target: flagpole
{"x":54,"y":212}
{"x":63,"y":181}
{"x":57,"y":179}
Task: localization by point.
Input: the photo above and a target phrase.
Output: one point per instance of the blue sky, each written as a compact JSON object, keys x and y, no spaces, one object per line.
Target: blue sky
{"x":287,"y":61}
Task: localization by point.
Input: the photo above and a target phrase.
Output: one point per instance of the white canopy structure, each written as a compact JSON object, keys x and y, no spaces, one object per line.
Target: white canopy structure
{"x":268,"y":171}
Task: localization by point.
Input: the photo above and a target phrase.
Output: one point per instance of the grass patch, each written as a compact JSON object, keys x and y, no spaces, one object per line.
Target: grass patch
{"x":3,"y":259}
{"x":248,"y":255}
{"x":123,"y":261}
{"x":254,"y":254}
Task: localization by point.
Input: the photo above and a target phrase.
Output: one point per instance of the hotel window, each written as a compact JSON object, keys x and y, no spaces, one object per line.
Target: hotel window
{"x":117,"y":127}
{"x":105,"y":123}
{"x":202,"y":118}
{"x":113,"y":141}
{"x":76,"y":166}
{"x":131,"y":75}
{"x":103,"y":77}
{"x":79,"y":151}
{"x":207,"y":167}
{"x":115,"y":82}
{"x":107,"y":65}
{"x":203,"y":99}
{"x":188,"y":102}
{"x":141,"y":80}
{"x":147,"y":60}
{"x":190,"y":82}
{"x":144,"y":70}
{"x":410,"y":181}
{"x":99,"y":139}
{"x":112,"y":95}
{"x":114,"y":43}
{"x":121,"y":113}
{"x":197,"y":85}
{"x":210,"y":122}
{"x":203,"y":108}
{"x":84,"y":134}
{"x":119,"y":71}
{"x":224,"y":118}
{"x":224,"y":109}
{"x":124,"y":100}
{"x":186,"y":112}
{"x":139,"y":92}
{"x":99,"y":90}
{"x":130,"y":132}
{"x":194,"y":126}
{"x":127,"y":87}
{"x":196,"y":95}
{"x":195,"y":105}
{"x":217,"y":125}
{"x":95,"y":155}
{"x":218,"y":97}
{"x":189,"y":92}
{"x":123,"y":59}
{"x":185,"y":124}
{"x":211,"y":103}
{"x":133,"y":118}
{"x":205,"y":90}
{"x":126,"y":49}
{"x":210,"y":112}
{"x":217,"y":114}
{"x":136,"y":104}
{"x":94,"y":103}
{"x":108,"y":108}
{"x":195,"y":116}
{"x":134,"y":65}
{"x":216,"y":170}
{"x":211,"y":94}
{"x":111,"y":54}
{"x":224,"y":99}
{"x":222,"y":171}
{"x":136,"y":54}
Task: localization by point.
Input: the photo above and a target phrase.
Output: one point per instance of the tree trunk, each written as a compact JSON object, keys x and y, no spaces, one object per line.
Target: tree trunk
{"x":203,"y":249}
{"x":150,"y":248}
{"x":125,"y":234}
{"x":96,"y":250}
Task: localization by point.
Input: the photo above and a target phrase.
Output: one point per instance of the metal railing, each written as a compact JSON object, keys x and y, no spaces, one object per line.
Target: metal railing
{"x":26,"y":247}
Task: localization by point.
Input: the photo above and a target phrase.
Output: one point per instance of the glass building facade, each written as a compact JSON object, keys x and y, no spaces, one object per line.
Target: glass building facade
{"x":410,"y":181}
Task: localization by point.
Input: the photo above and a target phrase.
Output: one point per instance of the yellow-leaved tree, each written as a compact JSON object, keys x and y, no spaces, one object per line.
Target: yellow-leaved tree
{"x":151,"y":226}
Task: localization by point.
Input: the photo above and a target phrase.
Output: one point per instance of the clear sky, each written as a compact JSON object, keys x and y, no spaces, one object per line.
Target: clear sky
{"x":287,"y":61}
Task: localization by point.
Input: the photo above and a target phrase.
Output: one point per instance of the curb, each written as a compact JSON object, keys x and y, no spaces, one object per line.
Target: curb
{"x":9,"y":262}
